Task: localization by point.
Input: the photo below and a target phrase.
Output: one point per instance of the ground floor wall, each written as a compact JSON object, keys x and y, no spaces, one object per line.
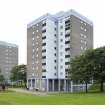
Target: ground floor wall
{"x":54,"y":85}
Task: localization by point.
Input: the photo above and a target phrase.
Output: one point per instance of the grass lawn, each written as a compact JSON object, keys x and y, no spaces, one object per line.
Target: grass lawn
{"x":13,"y":98}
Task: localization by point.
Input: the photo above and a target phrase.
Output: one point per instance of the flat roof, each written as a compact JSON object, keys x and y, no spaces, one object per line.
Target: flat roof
{"x":59,"y":16}
{"x":8,"y":44}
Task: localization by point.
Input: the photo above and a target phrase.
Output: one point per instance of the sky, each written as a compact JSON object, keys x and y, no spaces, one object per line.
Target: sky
{"x":16,"y":14}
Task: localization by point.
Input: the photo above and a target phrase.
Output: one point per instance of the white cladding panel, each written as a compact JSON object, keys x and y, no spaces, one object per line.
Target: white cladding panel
{"x":50,"y":49}
{"x":61,"y":49}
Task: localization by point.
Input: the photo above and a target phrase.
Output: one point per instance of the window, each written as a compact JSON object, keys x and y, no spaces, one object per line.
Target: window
{"x":67,"y":28}
{"x":67,"y":56}
{"x":33,"y":27}
{"x":37,"y":25}
{"x":44,"y":21}
{"x":85,"y":36}
{"x":67,"y":63}
{"x":43,"y":31}
{"x":54,"y":41}
{"x":43,"y":76}
{"x":37,"y":55}
{"x":43,"y":70}
{"x":55,"y":22}
{"x":33,"y":68}
{"x":44,"y":24}
{"x":81,"y":21}
{"x":55,"y":67}
{"x":81,"y":28}
{"x":33,"y":74}
{"x":33,"y":62}
{"x":43,"y":44}
{"x":67,"y":42}
{"x":61,"y":40}
{"x":61,"y":67}
{"x":67,"y":35}
{"x":55,"y":74}
{"x":43,"y":64}
{"x":81,"y":35}
{"x":85,"y":30}
{"x":85,"y":42}
{"x":36,"y":49}
{"x":55,"y":29}
{"x":44,"y":37}
{"x":55,"y":48}
{"x":85,"y":24}
{"x":33,"y":32}
{"x":85,"y":48}
{"x":61,"y":27}
{"x":81,"y":41}
{"x":37,"y":37}
{"x":43,"y":57}
{"x":81,"y":48}
{"x":67,"y":49}
{"x":55,"y":54}
{"x":67,"y":21}
{"x":44,"y":50}
{"x":33,"y":56}
{"x":33,"y":44}
{"x":33,"y":50}
{"x":55,"y":35}
{"x":55,"y":61}
{"x":33,"y":38}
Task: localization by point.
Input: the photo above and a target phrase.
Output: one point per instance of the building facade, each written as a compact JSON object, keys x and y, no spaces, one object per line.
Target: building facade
{"x":8,"y":58}
{"x":52,"y":40}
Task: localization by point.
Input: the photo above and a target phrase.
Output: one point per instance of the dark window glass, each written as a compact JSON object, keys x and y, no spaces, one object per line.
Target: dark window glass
{"x":67,"y":56}
{"x":43,"y":31}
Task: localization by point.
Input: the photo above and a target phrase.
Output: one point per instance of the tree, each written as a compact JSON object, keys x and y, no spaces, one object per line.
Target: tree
{"x":1,"y":77}
{"x":80,"y":69}
{"x":90,"y":65}
{"x":18,"y":73}
{"x":99,"y":66}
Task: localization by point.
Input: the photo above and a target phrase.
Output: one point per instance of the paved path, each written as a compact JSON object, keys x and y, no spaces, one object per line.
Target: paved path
{"x":28,"y":92}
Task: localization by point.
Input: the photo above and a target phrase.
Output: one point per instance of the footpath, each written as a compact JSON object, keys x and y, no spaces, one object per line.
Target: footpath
{"x":28,"y":92}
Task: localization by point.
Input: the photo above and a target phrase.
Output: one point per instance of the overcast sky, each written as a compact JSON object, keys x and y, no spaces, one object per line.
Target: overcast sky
{"x":16,"y":14}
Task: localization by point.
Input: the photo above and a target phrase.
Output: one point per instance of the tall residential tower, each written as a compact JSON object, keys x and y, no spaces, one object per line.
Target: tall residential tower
{"x":8,"y":58}
{"x":52,"y":40}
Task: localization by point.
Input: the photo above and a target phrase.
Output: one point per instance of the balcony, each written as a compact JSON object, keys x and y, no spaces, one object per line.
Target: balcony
{"x":67,"y":42}
{"x":67,"y":56}
{"x":67,"y":21}
{"x":43,"y":31}
{"x":43,"y":44}
{"x":67,"y":28}
{"x":67,"y":39}
{"x":43,"y":64}
{"x":43,"y":37}
{"x":43,"y":57}
{"x":67,"y":49}
{"x":43,"y":70}
{"x":44,"y":50}
{"x":67,"y":63}
{"x":44,"y":24}
{"x":67,"y":35}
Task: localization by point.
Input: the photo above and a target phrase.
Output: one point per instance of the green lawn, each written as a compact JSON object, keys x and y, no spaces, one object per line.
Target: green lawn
{"x":13,"y":98}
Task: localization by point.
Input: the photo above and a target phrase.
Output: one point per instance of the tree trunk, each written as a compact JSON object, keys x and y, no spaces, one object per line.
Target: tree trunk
{"x":101,"y":86}
{"x":86,"y":88}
